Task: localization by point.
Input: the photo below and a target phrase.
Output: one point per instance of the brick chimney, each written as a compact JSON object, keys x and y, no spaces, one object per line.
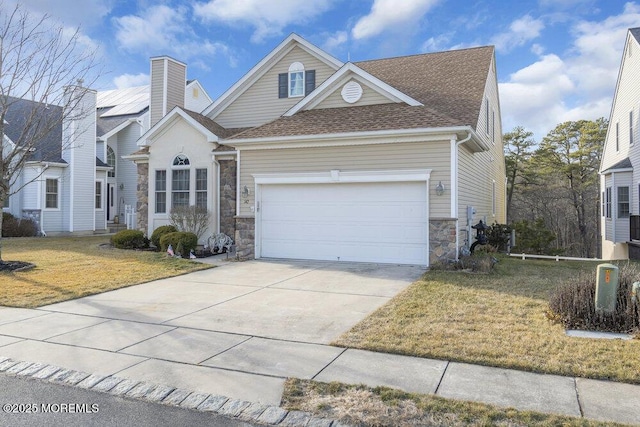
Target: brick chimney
{"x":168,"y":82}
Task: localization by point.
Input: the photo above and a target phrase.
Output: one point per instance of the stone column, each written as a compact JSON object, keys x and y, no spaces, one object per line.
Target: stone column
{"x":442,"y":239}
{"x":228,"y":197}
{"x":142,"y":205}
{"x":245,"y":237}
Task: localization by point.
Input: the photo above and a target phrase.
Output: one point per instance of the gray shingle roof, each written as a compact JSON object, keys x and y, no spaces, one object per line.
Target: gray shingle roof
{"x":622,"y":164}
{"x":635,"y":32}
{"x":449,"y":84}
{"x":45,"y":133}
{"x":107,"y":124}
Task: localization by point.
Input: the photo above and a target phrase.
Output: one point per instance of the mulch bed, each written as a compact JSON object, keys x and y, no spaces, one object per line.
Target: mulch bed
{"x":11,"y":266}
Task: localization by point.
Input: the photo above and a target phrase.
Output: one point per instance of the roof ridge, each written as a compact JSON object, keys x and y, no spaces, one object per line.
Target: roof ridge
{"x":425,"y":54}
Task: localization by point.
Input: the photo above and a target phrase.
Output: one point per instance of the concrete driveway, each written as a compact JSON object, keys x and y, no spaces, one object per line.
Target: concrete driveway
{"x":236,"y":330}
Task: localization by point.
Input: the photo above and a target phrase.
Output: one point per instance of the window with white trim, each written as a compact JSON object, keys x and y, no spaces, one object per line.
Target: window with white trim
{"x":161,"y":191}
{"x":296,"y":79}
{"x":98,"y":194}
{"x":623,"y":202}
{"x":180,"y":181}
{"x":111,"y":161}
{"x":51,"y":193}
{"x":201,"y":188}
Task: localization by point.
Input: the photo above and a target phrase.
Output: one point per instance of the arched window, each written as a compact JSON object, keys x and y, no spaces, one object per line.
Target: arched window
{"x":180,"y":180}
{"x":296,"y":79}
{"x":111,"y":161}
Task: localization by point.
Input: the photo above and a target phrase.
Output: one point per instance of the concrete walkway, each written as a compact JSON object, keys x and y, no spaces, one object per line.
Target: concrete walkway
{"x":241,"y":329}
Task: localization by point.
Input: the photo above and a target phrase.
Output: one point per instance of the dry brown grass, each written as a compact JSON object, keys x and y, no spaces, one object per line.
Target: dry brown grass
{"x":363,"y":406}
{"x":72,"y":267}
{"x":497,"y":320}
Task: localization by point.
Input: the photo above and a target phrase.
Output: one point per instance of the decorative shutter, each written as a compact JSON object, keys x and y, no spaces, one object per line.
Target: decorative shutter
{"x":283,"y":85}
{"x":310,"y":81}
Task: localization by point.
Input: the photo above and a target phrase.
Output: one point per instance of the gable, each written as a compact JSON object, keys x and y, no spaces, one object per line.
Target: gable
{"x":260,"y":103}
{"x":356,"y":93}
{"x":625,"y":106}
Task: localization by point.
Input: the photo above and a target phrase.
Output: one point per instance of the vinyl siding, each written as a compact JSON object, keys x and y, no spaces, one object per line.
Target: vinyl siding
{"x":29,"y":193}
{"x":157,"y":90}
{"x":126,"y":170}
{"x":196,"y":99}
{"x":176,"y":85}
{"x":260,"y":103}
{"x":477,"y":172}
{"x":55,"y":220}
{"x":617,"y":229}
{"x":369,"y":97}
{"x":418,"y":155}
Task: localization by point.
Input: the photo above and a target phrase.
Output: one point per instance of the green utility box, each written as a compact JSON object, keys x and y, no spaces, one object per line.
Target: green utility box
{"x":606,"y":288}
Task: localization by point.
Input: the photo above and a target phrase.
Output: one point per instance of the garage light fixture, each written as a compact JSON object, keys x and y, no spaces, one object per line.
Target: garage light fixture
{"x":440,"y":188}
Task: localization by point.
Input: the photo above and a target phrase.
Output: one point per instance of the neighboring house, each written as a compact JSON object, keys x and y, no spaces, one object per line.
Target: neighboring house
{"x":387,"y":160}
{"x":620,"y":166}
{"x":86,"y":185}
{"x":59,"y":183}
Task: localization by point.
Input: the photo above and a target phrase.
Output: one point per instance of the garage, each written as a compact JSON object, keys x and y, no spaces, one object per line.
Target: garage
{"x":383,"y":222}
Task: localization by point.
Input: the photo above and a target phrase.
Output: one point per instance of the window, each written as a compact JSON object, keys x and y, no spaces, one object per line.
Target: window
{"x":98,"y":195}
{"x":180,"y":188}
{"x":607,"y":202}
{"x":51,"y":194}
{"x":181,"y":160}
{"x":617,"y":136}
{"x":111,"y":161}
{"x":161,"y":191}
{"x":201,"y":188}
{"x":296,"y":80}
{"x":623,"y":202}
{"x":602,"y":207}
{"x":631,"y":127}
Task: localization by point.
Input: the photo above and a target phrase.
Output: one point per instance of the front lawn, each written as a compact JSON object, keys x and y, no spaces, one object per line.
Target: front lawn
{"x":497,"y":320}
{"x":73,"y":267}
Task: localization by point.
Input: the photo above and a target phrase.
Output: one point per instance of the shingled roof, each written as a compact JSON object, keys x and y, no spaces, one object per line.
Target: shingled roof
{"x":450,"y":85}
{"x":635,"y":32}
{"x":212,"y":126}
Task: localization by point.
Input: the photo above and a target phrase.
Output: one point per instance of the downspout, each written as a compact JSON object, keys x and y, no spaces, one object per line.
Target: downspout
{"x":454,"y":184}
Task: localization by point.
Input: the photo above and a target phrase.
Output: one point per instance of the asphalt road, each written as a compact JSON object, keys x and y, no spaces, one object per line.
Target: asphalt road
{"x":30,"y":402}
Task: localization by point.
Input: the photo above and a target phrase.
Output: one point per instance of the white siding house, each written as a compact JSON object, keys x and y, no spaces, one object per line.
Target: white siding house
{"x":620,"y":167}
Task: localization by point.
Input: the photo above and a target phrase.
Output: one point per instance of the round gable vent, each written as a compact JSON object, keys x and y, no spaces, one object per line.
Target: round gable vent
{"x":351,"y":92}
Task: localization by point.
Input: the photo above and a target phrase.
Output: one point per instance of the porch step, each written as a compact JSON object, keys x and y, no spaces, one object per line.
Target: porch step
{"x":114,"y":228}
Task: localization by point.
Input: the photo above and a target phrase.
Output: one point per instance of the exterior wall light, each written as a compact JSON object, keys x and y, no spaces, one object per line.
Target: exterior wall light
{"x":440,"y":188}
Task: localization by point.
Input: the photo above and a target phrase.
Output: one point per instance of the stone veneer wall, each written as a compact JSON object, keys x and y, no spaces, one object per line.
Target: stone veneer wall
{"x":245,"y":237}
{"x":142,"y":206}
{"x":227,"y":187}
{"x":442,"y":239}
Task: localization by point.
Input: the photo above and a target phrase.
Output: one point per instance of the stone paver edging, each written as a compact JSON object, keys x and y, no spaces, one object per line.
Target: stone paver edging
{"x":167,"y":395}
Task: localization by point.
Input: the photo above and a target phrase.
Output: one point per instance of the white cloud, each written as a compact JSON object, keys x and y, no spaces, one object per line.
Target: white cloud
{"x":520,"y":31}
{"x":131,"y":80}
{"x":73,"y":13}
{"x":335,"y":40}
{"x":579,"y":85}
{"x":158,"y":27}
{"x":436,"y":44}
{"x":391,"y":14}
{"x":267,"y":17}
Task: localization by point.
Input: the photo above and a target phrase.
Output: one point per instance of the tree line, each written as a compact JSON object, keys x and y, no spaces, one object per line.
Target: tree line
{"x":553,"y":196}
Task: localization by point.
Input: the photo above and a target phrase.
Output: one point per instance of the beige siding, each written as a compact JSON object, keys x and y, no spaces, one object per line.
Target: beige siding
{"x":478,"y":172}
{"x":176,"y":84}
{"x":260,"y":103}
{"x":157,"y":93}
{"x":427,"y":155}
{"x":369,"y":97}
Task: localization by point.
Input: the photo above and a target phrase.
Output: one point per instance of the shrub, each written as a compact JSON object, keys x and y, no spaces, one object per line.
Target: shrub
{"x":159,"y":232}
{"x":499,"y":236}
{"x":182,"y":242}
{"x":191,"y":219}
{"x":534,"y":238}
{"x":129,"y":239}
{"x":573,"y":303}
{"x":479,"y":262}
{"x":17,"y":227}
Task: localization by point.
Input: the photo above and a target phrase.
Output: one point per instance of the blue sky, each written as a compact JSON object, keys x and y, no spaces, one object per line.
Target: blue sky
{"x":557,"y":60}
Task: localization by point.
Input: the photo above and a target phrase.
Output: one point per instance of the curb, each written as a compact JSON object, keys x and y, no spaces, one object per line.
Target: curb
{"x":166,"y":395}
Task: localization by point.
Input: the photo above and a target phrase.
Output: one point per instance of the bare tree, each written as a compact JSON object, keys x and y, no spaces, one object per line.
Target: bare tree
{"x":46,"y":67}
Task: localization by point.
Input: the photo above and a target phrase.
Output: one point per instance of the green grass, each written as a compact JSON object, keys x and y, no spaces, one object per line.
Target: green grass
{"x":73,"y":267}
{"x":496,"y":319}
{"x":381,"y":406}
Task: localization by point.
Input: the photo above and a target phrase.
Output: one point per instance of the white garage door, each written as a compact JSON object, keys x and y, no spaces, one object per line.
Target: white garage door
{"x":365,"y":222}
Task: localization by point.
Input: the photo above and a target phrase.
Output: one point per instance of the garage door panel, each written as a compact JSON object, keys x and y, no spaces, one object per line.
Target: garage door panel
{"x":369,"y":222}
